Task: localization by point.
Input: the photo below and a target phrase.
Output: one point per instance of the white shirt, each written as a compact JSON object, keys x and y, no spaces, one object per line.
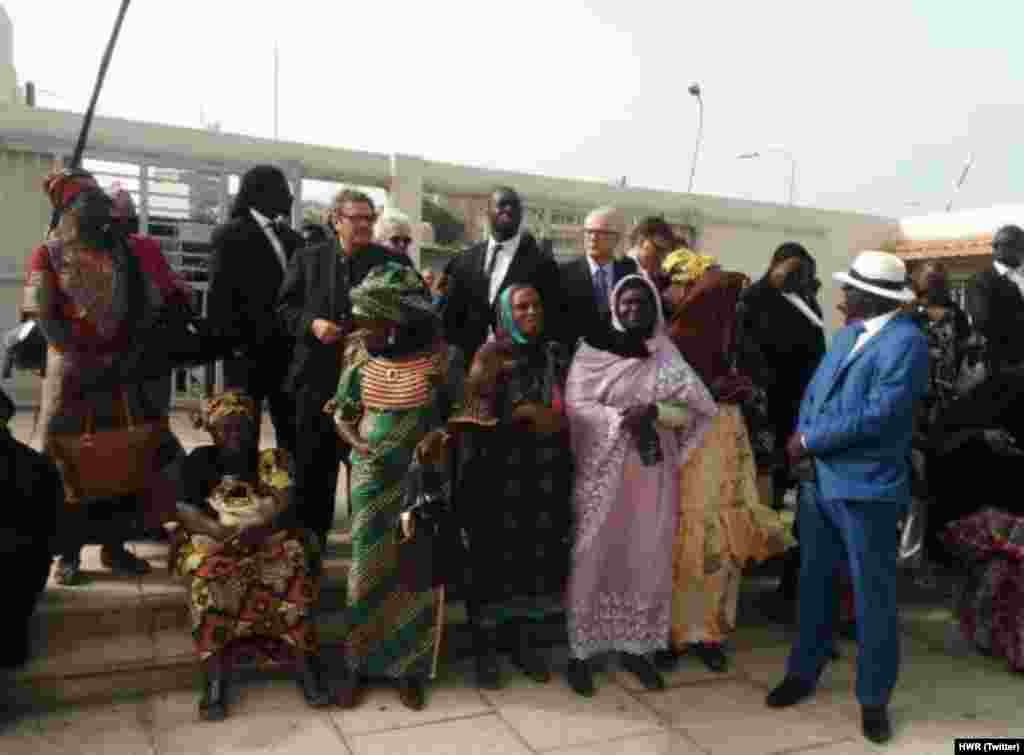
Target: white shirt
{"x":871,"y":328}
{"x":1016,"y":276}
{"x":275,"y":242}
{"x":805,"y":309}
{"x":503,"y":263}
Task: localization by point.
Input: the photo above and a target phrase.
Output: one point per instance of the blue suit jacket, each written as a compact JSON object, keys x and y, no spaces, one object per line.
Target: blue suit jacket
{"x":857,"y":417}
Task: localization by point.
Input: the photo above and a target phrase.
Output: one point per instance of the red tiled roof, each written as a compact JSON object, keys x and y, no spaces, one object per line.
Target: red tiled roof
{"x":974,"y":246}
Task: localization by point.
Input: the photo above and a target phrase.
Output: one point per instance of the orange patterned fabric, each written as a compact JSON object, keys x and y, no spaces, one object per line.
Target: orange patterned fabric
{"x":389,"y":385}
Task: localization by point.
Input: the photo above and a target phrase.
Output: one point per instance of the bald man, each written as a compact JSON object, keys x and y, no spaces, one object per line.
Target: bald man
{"x":588,"y":281}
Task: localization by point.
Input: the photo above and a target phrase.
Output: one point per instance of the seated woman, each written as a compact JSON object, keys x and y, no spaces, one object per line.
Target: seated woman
{"x":515,"y":483}
{"x":252,"y":575}
{"x":389,"y":408}
{"x":33,"y":495}
{"x":723,"y":524}
{"x":636,"y":411}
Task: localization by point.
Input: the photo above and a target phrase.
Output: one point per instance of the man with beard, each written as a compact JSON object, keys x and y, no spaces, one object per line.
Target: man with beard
{"x":315,"y":310}
{"x":250,"y":256}
{"x":511,"y":255}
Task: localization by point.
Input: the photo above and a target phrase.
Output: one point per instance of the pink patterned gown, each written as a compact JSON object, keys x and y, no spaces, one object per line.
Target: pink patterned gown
{"x":620,"y":587}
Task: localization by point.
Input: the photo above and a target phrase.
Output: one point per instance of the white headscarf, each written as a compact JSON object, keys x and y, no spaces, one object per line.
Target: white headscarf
{"x":659,"y":325}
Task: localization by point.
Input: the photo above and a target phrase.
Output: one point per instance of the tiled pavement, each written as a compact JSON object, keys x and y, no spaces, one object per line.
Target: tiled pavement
{"x":939,"y":697}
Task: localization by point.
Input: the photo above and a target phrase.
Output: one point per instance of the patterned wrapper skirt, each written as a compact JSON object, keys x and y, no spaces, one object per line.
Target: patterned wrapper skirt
{"x":265,"y":592}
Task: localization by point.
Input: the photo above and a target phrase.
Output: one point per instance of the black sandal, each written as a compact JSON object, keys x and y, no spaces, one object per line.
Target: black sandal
{"x":120,"y":561}
{"x":213,"y":706}
{"x":68,"y":572}
{"x":311,"y":682}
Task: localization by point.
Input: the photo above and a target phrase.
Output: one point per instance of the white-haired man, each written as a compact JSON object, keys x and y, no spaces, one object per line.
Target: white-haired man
{"x":588,"y":281}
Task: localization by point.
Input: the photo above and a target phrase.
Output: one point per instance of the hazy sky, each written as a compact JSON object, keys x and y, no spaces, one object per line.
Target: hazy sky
{"x":879,"y":100}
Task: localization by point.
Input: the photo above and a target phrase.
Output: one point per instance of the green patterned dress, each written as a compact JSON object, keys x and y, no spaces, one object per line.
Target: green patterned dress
{"x":392,"y":631}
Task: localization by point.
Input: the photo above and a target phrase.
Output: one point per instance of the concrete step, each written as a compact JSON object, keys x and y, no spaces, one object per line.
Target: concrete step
{"x":114,"y":637}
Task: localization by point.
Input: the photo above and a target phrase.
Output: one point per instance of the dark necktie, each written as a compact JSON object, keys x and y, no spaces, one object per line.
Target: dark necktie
{"x":601,"y":289}
{"x":492,"y":262}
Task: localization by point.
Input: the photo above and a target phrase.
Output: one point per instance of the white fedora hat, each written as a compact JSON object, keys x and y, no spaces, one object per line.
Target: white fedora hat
{"x":878,"y":273}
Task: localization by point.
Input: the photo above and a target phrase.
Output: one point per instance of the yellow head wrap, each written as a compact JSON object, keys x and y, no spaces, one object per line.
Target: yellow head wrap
{"x":685,"y":266}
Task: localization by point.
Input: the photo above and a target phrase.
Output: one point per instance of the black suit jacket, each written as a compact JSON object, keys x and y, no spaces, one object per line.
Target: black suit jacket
{"x":996,"y":307}
{"x":782,"y":353}
{"x":245,"y":277}
{"x":581,"y":315}
{"x":468,"y":313}
{"x":317,"y":288}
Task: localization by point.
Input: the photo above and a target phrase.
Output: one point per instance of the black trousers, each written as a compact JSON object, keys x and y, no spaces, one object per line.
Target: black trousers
{"x":319,"y":454}
{"x":263,"y":377}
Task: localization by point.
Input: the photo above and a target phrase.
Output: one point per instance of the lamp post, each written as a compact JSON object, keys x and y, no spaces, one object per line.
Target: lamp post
{"x":792,"y":167}
{"x":694,"y":91}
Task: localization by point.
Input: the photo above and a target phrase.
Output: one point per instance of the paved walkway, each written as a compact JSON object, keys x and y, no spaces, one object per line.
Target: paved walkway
{"x":939,"y":698}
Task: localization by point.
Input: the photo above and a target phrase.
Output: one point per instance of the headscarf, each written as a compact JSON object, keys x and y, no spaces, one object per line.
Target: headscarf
{"x":216,"y":409}
{"x":506,"y":322}
{"x":684,"y":266}
{"x":617,"y":339}
{"x":64,"y":185}
{"x":398,"y":294}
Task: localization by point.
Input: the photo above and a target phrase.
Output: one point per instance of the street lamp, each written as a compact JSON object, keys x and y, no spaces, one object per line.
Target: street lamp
{"x":694,"y":91}
{"x":792,"y":167}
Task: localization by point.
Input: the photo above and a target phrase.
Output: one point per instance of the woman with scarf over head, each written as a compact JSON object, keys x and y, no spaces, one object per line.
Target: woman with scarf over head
{"x":723,"y":525}
{"x":252,"y":572}
{"x":96,"y":302}
{"x":636,"y":412}
{"x":390,"y":409}
{"x":513,"y":497}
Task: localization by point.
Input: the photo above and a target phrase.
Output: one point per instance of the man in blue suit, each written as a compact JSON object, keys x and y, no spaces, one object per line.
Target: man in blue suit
{"x":856,"y":423}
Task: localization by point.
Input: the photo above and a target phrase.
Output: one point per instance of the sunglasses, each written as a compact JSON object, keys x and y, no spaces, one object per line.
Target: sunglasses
{"x":400,"y":240}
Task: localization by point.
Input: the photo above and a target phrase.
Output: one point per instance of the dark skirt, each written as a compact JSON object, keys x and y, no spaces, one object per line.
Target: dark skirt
{"x":514,"y":505}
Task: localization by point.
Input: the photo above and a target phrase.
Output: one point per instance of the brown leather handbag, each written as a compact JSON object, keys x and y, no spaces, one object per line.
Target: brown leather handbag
{"x":108,"y":463}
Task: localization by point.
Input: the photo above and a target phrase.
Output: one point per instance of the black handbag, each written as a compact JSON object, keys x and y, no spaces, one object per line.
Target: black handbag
{"x":24,"y":349}
{"x":425,"y":531}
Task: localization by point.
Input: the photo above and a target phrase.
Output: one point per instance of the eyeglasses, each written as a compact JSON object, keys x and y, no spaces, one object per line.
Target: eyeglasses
{"x":355,"y":219}
{"x":400,"y":241}
{"x":601,"y":233}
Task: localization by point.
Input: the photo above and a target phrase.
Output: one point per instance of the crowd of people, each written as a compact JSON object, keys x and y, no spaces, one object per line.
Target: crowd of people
{"x":606,"y":442}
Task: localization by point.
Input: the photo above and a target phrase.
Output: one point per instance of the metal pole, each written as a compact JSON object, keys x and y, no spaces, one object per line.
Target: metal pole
{"x":792,"y":179}
{"x":83,"y":135}
{"x":700,"y":135}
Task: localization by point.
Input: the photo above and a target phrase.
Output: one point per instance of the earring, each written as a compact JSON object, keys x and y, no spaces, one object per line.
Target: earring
{"x":392,"y":337}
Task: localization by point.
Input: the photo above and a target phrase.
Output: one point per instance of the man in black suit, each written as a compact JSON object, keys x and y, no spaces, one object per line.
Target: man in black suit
{"x":315,"y":310}
{"x":995,"y":301}
{"x":250,"y":255}
{"x":479,"y":274}
{"x":587,"y":282}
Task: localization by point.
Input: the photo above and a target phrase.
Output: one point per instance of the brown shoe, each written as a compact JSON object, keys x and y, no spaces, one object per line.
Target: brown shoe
{"x":412,"y":693}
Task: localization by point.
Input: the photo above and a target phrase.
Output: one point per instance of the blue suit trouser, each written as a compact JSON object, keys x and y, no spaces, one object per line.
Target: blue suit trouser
{"x":866,"y":533}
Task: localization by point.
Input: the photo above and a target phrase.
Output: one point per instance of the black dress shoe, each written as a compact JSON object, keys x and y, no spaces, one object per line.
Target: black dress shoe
{"x":712,"y":655}
{"x":644,"y":671}
{"x":875,"y":724}
{"x":488,"y":667}
{"x":666,"y":660}
{"x":346,"y":690}
{"x":528,"y":658}
{"x":792,"y":691}
{"x":213,"y":705}
{"x":412,"y":693}
{"x":312,"y":684}
{"x":580,"y":678}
